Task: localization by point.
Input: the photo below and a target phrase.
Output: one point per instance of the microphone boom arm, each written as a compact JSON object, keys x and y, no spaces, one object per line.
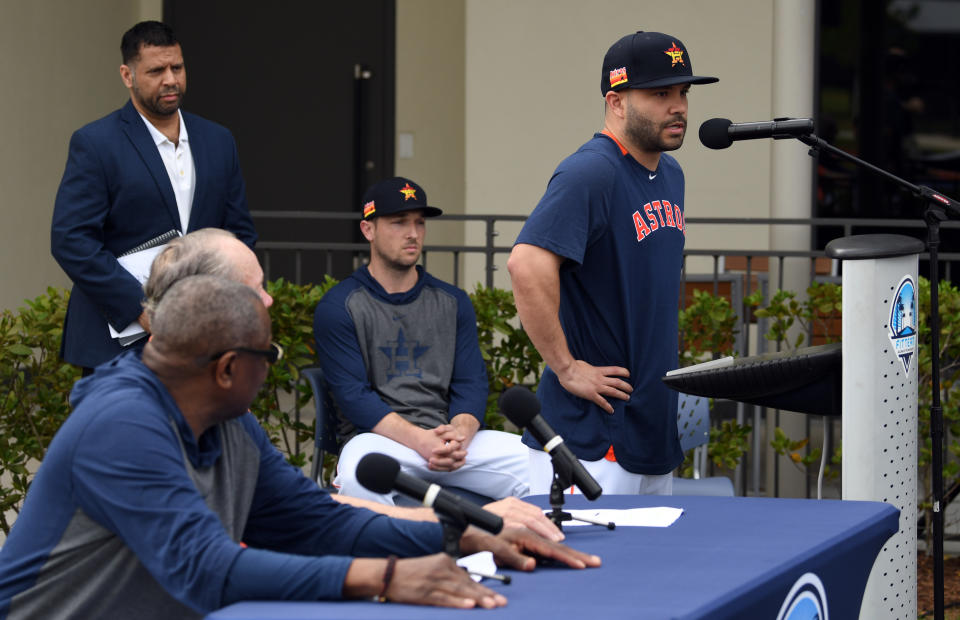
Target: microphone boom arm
{"x":920,"y":191}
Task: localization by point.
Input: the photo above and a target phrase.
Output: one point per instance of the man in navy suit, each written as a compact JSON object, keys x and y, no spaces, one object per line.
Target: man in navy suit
{"x":142,"y":171}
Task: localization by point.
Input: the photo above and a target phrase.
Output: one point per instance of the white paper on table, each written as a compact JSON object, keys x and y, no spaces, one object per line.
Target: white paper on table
{"x":480,"y":562}
{"x":138,"y":264}
{"x":661,"y":516}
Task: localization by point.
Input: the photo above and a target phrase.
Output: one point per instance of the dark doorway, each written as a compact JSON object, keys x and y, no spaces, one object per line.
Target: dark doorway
{"x":307,"y":88}
{"x":888,"y":95}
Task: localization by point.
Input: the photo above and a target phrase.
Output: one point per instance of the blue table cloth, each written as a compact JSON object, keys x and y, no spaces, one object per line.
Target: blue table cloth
{"x":733,"y":557}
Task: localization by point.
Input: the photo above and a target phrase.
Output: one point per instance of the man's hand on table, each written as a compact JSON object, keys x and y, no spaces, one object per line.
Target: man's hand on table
{"x":518,"y":513}
{"x":437,"y":580}
{"x":516,"y":548}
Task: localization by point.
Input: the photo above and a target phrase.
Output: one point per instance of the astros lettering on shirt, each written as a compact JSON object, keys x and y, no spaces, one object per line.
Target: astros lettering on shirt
{"x":621,"y":229}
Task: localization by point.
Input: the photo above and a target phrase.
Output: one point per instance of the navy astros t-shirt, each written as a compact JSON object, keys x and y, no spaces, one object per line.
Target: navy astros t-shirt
{"x":621,"y":229}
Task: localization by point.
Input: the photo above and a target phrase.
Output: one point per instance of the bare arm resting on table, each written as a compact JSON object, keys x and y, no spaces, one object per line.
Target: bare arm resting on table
{"x":535,"y":273}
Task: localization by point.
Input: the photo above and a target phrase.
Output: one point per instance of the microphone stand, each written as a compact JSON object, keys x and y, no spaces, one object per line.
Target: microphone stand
{"x":453,"y":526}
{"x":936,"y":208}
{"x":563,"y":479}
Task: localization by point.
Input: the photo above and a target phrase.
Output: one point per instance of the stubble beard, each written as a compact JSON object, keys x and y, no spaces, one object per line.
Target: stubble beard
{"x":394,"y":264}
{"x":647,"y":136}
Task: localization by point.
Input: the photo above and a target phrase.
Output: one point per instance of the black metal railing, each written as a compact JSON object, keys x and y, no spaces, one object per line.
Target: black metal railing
{"x":490,"y":248}
{"x":740,"y":282}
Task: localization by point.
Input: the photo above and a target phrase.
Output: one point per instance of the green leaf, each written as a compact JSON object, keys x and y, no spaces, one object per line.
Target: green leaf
{"x":19,"y":349}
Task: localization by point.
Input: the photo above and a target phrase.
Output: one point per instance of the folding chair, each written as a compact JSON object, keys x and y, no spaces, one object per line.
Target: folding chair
{"x":325,"y":433}
{"x":693,"y":426}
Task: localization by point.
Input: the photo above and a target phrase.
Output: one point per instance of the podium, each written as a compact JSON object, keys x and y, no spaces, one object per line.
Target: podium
{"x":806,"y":380}
{"x":870,"y":379}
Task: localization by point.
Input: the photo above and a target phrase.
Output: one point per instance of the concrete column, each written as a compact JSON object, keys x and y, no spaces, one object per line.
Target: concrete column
{"x":792,"y":82}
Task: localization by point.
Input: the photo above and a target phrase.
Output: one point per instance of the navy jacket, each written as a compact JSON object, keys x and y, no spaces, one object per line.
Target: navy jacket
{"x":132,"y":516}
{"x":115,"y":194}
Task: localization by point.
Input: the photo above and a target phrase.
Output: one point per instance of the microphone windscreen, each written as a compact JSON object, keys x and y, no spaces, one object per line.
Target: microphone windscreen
{"x":520,"y":405}
{"x":714,"y":135}
{"x":377,"y":472}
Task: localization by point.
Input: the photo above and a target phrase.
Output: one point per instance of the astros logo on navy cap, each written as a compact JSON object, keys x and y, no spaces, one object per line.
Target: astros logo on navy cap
{"x":648,"y":60}
{"x":396,"y":195}
{"x":675,"y":54}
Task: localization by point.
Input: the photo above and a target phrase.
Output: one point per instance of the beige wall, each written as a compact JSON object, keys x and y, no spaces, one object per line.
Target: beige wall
{"x":430,"y":108}
{"x":494,"y":92}
{"x":533,"y":96}
{"x":58,"y":66}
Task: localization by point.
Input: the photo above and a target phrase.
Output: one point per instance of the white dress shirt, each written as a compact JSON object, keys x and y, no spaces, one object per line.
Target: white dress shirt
{"x":178,"y":160}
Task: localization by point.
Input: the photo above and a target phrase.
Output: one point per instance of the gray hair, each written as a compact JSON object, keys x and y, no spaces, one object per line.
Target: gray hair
{"x":196,"y":253}
{"x":202,"y":315}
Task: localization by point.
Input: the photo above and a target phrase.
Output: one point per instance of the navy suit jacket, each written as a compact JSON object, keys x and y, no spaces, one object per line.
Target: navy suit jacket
{"x":116,"y":194}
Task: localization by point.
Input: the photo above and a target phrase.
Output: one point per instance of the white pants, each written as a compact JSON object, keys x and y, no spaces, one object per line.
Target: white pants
{"x":496,"y":466}
{"x":613,"y":479}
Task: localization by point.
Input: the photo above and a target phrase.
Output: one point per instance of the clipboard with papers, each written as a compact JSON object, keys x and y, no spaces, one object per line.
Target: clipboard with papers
{"x":137,"y":262}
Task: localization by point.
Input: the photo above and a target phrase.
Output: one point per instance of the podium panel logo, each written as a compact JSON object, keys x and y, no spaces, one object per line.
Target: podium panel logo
{"x":807,"y":600}
{"x":903,"y":322}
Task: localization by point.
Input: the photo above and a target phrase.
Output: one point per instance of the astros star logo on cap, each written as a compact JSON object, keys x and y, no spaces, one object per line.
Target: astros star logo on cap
{"x":675,"y":54}
{"x":408,"y":192}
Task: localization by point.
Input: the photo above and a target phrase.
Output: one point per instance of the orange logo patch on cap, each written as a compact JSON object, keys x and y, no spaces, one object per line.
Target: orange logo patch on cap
{"x":618,"y":76}
{"x":369,"y":209}
{"x":408,"y":192}
{"x":675,"y":54}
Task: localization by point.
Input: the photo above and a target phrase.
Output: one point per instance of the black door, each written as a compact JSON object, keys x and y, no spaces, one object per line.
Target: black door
{"x":307,"y":88}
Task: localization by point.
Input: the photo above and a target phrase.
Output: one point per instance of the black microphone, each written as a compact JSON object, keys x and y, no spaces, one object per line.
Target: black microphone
{"x":381,"y":474}
{"x":719,"y":133}
{"x":521,"y":407}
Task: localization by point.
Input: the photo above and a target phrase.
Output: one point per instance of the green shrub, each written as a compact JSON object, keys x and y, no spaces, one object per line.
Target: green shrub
{"x":510,"y":357}
{"x":36,"y":386}
{"x":708,"y":330}
{"x":815,"y":318}
{"x":283,"y":394}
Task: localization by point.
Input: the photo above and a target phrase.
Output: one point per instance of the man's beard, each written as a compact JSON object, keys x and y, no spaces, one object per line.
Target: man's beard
{"x":157,"y":106}
{"x":647,"y":136}
{"x":398,"y":266}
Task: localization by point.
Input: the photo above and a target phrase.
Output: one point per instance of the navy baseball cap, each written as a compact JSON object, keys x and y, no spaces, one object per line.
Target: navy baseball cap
{"x":648,"y":60}
{"x":396,"y":195}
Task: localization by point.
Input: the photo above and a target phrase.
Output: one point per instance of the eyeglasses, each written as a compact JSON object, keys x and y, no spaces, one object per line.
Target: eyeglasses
{"x":273,"y":354}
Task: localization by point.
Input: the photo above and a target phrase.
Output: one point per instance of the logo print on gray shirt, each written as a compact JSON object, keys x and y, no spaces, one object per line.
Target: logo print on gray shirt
{"x":403,"y":356}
